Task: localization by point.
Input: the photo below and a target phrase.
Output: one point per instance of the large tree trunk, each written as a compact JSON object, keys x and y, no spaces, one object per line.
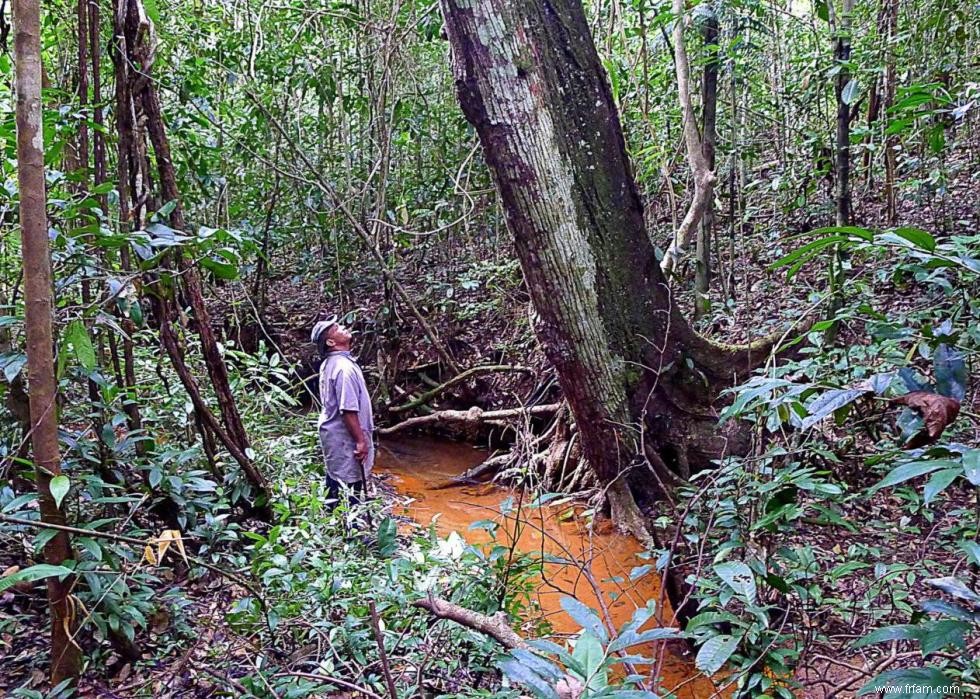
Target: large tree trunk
{"x":638,"y":380}
{"x":65,"y":654}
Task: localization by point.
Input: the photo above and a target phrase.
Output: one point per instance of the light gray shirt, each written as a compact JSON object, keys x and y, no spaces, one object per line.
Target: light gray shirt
{"x":342,"y":389}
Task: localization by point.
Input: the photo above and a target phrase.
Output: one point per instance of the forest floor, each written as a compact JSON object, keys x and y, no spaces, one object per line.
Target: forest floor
{"x":480,"y":311}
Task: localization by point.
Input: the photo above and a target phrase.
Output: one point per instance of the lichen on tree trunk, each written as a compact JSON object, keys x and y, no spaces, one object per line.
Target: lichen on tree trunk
{"x":635,"y":375}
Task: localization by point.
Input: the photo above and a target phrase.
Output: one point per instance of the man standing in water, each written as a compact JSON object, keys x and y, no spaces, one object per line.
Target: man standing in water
{"x":346,"y":423}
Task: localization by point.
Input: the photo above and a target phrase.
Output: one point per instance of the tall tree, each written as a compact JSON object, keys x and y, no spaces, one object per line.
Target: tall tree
{"x":709,"y":139}
{"x":638,"y":380}
{"x":136,"y":44}
{"x":65,"y":654}
{"x":841,"y":26}
{"x":701,"y":172}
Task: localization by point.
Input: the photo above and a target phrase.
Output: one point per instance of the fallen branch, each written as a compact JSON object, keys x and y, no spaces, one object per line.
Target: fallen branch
{"x":496,"y":627}
{"x":473,"y":416}
{"x":474,"y":474}
{"x":473,"y":371}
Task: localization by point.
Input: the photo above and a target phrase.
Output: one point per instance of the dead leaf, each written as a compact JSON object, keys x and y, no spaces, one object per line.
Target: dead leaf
{"x":937,"y":412}
{"x":159,"y":621}
{"x":569,"y":687}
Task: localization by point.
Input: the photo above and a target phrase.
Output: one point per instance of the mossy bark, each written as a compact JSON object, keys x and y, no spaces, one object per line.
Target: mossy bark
{"x":638,"y":380}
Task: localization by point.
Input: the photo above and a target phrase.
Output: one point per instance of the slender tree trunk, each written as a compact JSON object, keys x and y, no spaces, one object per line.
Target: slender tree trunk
{"x":65,"y":654}
{"x":125,"y":128}
{"x":638,"y":380}
{"x":709,"y":139}
{"x":138,"y":33}
{"x":703,"y":176}
{"x":842,"y":154}
{"x":891,"y":140}
{"x":842,"y":56}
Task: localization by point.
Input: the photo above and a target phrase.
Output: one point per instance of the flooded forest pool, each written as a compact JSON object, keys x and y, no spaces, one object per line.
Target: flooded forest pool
{"x":421,"y":469}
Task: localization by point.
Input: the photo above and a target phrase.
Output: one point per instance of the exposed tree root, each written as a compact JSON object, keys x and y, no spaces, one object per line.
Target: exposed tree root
{"x":471,"y":417}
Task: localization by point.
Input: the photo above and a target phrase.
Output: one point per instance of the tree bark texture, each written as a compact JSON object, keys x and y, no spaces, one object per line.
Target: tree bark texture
{"x":842,"y":55}
{"x":701,"y":173}
{"x":709,"y":139}
{"x":531,"y":83}
{"x":65,"y":655}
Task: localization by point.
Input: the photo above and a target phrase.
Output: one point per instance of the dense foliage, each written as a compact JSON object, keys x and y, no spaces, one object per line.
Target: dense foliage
{"x":322,"y":161}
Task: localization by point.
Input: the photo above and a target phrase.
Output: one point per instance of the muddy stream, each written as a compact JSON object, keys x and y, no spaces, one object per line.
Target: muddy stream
{"x":421,"y":469}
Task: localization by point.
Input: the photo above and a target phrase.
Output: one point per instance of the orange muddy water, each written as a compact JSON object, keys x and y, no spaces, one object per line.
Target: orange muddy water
{"x":422,"y":468}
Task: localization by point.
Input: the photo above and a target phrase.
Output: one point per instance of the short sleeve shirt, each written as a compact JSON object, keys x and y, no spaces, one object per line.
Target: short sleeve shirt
{"x":342,"y":389}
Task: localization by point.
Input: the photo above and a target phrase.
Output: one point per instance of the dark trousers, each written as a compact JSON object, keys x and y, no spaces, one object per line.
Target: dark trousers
{"x":354,"y":492}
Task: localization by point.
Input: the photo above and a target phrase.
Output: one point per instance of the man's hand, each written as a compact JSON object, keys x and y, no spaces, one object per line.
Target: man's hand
{"x":360,"y":451}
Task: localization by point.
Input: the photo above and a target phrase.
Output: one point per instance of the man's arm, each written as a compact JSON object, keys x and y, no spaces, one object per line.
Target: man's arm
{"x":353,"y":425}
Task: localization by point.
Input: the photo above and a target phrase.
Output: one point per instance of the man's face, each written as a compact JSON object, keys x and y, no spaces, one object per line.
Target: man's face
{"x":338,"y":336}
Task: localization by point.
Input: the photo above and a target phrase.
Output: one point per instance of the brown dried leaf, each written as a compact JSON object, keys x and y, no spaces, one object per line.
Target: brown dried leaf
{"x":937,"y":412}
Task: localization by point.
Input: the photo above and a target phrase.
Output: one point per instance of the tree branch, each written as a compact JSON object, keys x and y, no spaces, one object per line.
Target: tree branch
{"x":473,"y":416}
{"x":473,"y":371}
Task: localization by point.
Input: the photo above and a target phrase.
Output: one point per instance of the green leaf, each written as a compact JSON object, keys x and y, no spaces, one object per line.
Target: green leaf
{"x":155,"y":477}
{"x":913,"y":469}
{"x":949,"y":367}
{"x":387,"y":537}
{"x":805,"y":252}
{"x":543,"y":668}
{"x":955,"y":587}
{"x":15,"y":504}
{"x":913,"y":681}
{"x":12,"y":363}
{"x":589,"y":657}
{"x":38,"y":572}
{"x":516,"y":672}
{"x":739,"y":577}
{"x":60,"y":485}
{"x":584,"y":617}
{"x":850,"y":92}
{"x":222,"y":270}
{"x":972,"y":549}
{"x":899,"y":632}
{"x":918,"y":237}
{"x":938,"y":483}
{"x":971,"y":467}
{"x":947,"y":632}
{"x":77,"y":335}
{"x":167,"y":209}
{"x":829,"y":402}
{"x":715,"y":653}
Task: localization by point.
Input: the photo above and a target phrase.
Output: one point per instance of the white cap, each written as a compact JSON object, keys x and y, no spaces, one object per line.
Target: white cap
{"x":322,"y":327}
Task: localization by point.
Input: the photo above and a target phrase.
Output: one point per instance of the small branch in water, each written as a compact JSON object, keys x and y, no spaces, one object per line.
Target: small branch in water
{"x":473,"y":371}
{"x":473,"y":416}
